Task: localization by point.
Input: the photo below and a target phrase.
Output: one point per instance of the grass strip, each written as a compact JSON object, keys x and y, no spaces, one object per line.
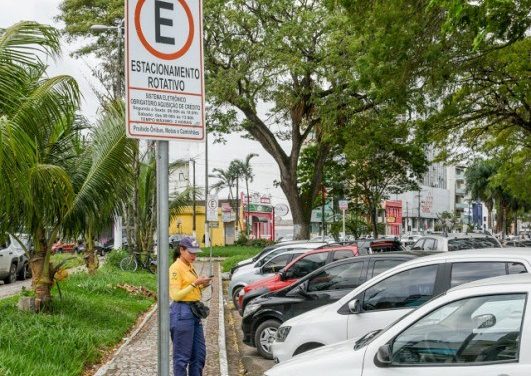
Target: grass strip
{"x":73,"y":260}
{"x":232,"y":254}
{"x":93,"y":316}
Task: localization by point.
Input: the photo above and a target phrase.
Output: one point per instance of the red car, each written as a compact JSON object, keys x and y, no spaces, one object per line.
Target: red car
{"x":61,"y":247}
{"x":298,"y":268}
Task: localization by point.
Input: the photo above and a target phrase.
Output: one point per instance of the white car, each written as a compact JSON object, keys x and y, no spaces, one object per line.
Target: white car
{"x":476,"y":329}
{"x":391,"y":295}
{"x":252,"y":272}
{"x":13,"y":260}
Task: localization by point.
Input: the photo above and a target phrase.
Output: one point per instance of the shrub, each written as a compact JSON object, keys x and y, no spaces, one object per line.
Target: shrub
{"x":114,"y":257}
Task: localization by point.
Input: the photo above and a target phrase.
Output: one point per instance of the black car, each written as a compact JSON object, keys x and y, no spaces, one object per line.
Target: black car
{"x":264,"y":315}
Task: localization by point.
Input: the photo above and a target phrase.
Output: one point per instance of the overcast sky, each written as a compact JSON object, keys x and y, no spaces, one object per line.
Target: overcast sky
{"x":264,"y":166}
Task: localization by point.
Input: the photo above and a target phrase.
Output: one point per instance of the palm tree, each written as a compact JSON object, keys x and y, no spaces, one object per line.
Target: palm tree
{"x":246,"y":172}
{"x":38,"y":136}
{"x":102,"y":169}
{"x":226,"y":179}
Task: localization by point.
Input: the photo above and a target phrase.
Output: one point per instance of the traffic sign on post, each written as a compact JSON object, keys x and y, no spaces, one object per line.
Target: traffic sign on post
{"x":343,"y":204}
{"x":212,"y":208}
{"x":164,"y":70}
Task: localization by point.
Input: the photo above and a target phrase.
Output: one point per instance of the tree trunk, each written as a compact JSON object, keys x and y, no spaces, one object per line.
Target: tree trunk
{"x":42,"y":281}
{"x":374,"y":219}
{"x":300,"y":213}
{"x":490,"y":205}
{"x":91,"y":259}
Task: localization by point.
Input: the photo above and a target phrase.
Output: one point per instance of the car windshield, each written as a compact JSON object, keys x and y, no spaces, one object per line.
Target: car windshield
{"x":471,"y":243}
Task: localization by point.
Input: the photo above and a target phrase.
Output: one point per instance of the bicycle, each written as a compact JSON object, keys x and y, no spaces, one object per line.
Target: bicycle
{"x":131,"y":262}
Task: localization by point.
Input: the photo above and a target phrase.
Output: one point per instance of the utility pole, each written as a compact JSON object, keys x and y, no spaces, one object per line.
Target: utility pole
{"x":323,"y":234}
{"x":207,"y":235}
{"x":193,"y":198}
{"x":418,"y":212}
{"x":237,"y":204}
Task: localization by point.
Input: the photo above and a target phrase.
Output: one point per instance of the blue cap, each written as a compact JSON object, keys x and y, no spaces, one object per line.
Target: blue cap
{"x":190,"y":244}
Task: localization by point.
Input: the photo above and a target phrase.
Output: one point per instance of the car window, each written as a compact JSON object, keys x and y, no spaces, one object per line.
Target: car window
{"x":515,"y":268}
{"x":308,"y":264}
{"x":409,"y":288}
{"x":340,"y":255}
{"x":472,"y":243}
{"x":429,"y":244}
{"x":463,"y":272}
{"x":472,"y":330}
{"x":276,"y":263}
{"x":382,"y":265}
{"x":272,"y":254}
{"x":418,"y":245}
{"x":340,"y":277}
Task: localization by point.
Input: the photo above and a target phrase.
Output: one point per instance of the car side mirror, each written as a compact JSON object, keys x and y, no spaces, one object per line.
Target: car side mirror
{"x":354,"y":306}
{"x":383,"y":356}
{"x":484,"y":321}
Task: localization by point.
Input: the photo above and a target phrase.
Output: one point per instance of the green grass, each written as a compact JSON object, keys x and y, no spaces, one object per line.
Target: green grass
{"x":75,"y":260}
{"x":93,"y":316}
{"x":233,"y":254}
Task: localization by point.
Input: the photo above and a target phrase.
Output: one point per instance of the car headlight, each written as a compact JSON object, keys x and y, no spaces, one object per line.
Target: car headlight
{"x":282,"y":333}
{"x":250,"y":309}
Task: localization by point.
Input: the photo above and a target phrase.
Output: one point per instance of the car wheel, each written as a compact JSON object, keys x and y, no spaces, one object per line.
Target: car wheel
{"x":264,"y":337}
{"x":24,"y":273}
{"x":12,"y":277}
{"x":235,"y":294}
{"x":60,"y":250}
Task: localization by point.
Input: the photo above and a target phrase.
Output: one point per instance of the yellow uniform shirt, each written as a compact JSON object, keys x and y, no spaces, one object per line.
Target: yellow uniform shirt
{"x":181,"y":278}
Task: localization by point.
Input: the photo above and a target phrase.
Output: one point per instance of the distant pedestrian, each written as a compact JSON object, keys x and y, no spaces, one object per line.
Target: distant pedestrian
{"x":189,"y":349}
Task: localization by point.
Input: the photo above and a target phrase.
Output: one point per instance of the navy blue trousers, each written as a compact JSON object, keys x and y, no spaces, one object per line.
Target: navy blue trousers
{"x":189,"y":349}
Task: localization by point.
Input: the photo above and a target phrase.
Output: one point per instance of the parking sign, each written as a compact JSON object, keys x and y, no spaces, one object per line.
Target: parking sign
{"x":164,"y":70}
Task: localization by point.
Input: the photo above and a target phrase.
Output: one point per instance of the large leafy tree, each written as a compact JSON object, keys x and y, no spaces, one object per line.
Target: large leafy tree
{"x":277,"y":72}
{"x":78,"y":17}
{"x":462,"y":66}
{"x":382,"y":157}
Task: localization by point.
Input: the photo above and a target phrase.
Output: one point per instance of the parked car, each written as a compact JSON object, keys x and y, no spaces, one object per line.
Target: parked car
{"x":455,"y":242}
{"x":517,"y":243}
{"x":476,"y":329}
{"x":267,"y":266}
{"x":63,"y":247}
{"x":263,"y":252}
{"x":13,"y":260}
{"x":297,"y":268}
{"x":265,"y":314}
{"x":391,"y":295}
{"x":386,"y":245}
{"x":408,"y":240}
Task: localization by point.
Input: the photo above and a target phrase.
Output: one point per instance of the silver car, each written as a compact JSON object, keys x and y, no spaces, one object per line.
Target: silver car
{"x":455,"y":242}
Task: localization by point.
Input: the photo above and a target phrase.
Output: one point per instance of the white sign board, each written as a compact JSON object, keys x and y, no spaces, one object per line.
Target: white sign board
{"x":212,"y":208}
{"x":165,"y":92}
{"x":343,"y":204}
{"x":281,"y":209}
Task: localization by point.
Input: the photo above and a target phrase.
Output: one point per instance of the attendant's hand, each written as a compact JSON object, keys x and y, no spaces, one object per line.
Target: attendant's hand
{"x":202,"y":281}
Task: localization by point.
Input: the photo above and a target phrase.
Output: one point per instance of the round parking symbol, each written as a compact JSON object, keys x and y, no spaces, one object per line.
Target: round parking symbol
{"x":212,"y":204}
{"x":155,"y":52}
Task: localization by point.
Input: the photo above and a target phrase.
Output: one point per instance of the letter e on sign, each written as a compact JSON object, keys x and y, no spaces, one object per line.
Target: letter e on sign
{"x":165,"y":93}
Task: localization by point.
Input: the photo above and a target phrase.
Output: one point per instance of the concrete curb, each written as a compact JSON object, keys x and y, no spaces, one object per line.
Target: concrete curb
{"x":103,"y":369}
{"x":223,"y":362}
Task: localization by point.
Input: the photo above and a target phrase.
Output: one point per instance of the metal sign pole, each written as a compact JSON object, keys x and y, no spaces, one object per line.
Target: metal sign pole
{"x":344,"y":233}
{"x":163,"y":259}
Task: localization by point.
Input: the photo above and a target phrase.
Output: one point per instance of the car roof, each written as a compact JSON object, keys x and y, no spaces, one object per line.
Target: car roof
{"x":510,"y":279}
{"x":478,"y":253}
{"x":457,"y":235}
{"x":302,"y":245}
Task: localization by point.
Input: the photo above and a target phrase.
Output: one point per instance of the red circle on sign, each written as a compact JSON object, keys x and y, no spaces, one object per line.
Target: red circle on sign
{"x":150,"y":48}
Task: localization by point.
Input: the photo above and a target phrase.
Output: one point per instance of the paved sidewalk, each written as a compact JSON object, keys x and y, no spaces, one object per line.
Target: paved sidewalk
{"x":138,"y":355}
